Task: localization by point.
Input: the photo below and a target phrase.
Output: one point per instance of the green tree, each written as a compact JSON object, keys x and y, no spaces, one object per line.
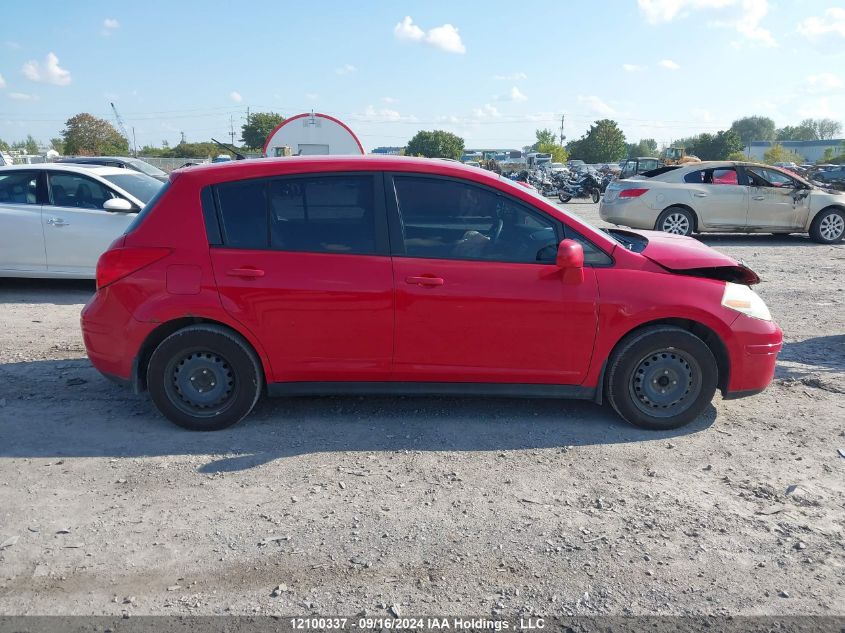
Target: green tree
{"x":777,"y":153}
{"x":739,"y":155}
{"x":604,"y":142}
{"x":435,"y":144}
{"x":754,"y":128}
{"x":717,"y":146}
{"x":30,"y":145}
{"x":645,"y":147}
{"x":800,"y":132}
{"x":86,"y":135}
{"x":558,"y":152}
{"x":824,"y":129}
{"x":258,"y":127}
{"x":57,"y":144}
{"x":544,"y":137}
{"x":4,"y":146}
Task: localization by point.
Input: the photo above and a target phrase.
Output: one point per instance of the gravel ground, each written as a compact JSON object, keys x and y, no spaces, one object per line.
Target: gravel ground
{"x":430,"y":505}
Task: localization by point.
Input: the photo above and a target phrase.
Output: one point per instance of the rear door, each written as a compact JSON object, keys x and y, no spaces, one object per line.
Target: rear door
{"x":21,"y":236}
{"x":478,"y":295}
{"x":773,"y":204}
{"x":302,"y":261}
{"x":719,"y":197}
{"x":77,"y":230}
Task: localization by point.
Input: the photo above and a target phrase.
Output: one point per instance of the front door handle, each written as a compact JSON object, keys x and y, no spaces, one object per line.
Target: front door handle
{"x":424,"y":281}
{"x":759,"y":198}
{"x":700,"y":195}
{"x":245,"y":273}
{"x":56,"y":222}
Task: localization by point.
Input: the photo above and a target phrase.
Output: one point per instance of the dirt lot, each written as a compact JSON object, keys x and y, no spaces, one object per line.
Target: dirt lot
{"x":436,"y":506}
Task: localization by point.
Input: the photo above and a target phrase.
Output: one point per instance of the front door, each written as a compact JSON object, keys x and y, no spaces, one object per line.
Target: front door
{"x":775,"y":201}
{"x":77,"y":230}
{"x":304,"y":266}
{"x":478,"y":296}
{"x":21,"y":237}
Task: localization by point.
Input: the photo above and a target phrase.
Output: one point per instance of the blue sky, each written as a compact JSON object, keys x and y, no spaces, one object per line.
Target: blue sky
{"x":492,"y":72}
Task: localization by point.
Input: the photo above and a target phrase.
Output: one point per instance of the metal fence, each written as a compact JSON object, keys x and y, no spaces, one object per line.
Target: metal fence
{"x":169,"y":164}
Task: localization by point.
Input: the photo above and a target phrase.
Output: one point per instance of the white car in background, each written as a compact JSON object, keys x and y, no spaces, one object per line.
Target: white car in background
{"x":56,"y":220}
{"x":725,"y":197}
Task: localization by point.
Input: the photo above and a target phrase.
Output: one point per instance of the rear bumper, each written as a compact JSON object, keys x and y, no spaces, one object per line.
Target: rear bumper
{"x":754,"y":356}
{"x":628,"y":212}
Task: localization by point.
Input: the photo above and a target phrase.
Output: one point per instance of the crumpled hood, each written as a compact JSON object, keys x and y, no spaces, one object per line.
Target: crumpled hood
{"x":688,"y":256}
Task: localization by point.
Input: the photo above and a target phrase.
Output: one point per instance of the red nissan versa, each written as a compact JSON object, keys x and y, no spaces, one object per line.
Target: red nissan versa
{"x":327,"y":275}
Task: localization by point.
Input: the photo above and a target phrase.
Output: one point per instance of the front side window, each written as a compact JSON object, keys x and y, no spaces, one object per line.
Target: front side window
{"x":326,"y":214}
{"x":19,"y":187}
{"x":763,"y":177}
{"x":76,"y":191}
{"x":448,"y":219}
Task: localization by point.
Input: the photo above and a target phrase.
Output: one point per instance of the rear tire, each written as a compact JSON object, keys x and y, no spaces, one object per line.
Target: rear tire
{"x":661,"y":377}
{"x":204,"y":378}
{"x":564,"y":198}
{"x":828,"y":226}
{"x":675,"y":220}
{"x":595,"y":195}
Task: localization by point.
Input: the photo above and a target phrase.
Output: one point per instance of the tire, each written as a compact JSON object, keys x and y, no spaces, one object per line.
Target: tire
{"x":828,"y":226}
{"x":595,"y":194}
{"x":564,"y":198}
{"x":214,"y":357}
{"x":645,"y":359}
{"x":675,"y":220}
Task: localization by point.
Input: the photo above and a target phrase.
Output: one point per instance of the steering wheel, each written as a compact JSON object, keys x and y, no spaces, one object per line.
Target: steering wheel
{"x":496,"y":233}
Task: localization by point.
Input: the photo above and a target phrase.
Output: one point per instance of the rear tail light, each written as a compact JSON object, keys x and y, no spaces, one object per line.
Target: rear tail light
{"x":632,"y":193}
{"x":117,"y":263}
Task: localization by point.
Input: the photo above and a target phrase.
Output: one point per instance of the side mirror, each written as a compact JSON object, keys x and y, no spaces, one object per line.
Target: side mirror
{"x":119,"y":205}
{"x":570,"y":254}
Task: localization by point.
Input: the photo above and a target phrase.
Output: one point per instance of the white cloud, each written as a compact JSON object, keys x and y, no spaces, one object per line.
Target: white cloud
{"x":632,"y":68}
{"x":2,"y":82}
{"x":511,"y":77}
{"x":487,"y":111}
{"x":390,"y":99}
{"x":48,"y":71}
{"x":515,"y":94}
{"x":744,"y":16}
{"x":669,"y":64}
{"x":832,"y":24}
{"x":818,"y":109}
{"x":346,"y":69}
{"x":20,"y":96}
{"x":596,"y":105}
{"x":312,"y":96}
{"x":702,"y":115}
{"x":236,"y":96}
{"x":110,"y":25}
{"x":445,"y":37}
{"x":383,"y":115}
{"x":823,"y":83}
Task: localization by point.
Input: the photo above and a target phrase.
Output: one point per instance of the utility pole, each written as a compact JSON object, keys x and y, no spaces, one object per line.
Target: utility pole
{"x":134,"y":143}
{"x":232,"y":129}
{"x":562,"y":137}
{"x":183,"y":138}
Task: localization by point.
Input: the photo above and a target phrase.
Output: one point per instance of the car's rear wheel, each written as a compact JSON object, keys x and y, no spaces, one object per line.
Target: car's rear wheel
{"x":828,"y":226}
{"x":675,"y":220}
{"x":204,"y":378}
{"x":661,"y":377}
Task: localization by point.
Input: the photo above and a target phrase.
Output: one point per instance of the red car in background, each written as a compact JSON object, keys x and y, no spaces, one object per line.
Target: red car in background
{"x":364,"y":275}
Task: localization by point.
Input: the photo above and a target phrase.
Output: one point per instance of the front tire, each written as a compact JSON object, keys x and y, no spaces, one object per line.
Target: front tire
{"x":564,"y":198}
{"x":595,"y":194}
{"x":204,"y":378}
{"x":661,"y":377}
{"x":675,"y":220}
{"x":828,"y":226}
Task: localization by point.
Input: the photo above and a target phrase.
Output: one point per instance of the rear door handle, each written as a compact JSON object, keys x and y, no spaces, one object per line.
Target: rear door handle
{"x":246,"y":273}
{"x":700,"y":195}
{"x":759,"y":198}
{"x":424,"y":281}
{"x":56,"y":222}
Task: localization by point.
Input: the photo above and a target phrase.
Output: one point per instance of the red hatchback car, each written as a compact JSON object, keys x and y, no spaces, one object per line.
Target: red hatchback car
{"x":327,"y":275}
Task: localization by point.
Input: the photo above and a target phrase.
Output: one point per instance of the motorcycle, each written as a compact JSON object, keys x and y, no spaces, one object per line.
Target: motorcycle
{"x":587,"y":186}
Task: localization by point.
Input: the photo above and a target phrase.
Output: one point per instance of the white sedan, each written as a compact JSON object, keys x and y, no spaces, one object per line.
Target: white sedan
{"x":56,"y":220}
{"x":720,"y":196}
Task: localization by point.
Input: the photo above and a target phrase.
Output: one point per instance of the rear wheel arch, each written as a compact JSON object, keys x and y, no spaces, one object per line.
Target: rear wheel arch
{"x":706,"y":334}
{"x":158,"y":335}
{"x":692,"y":212}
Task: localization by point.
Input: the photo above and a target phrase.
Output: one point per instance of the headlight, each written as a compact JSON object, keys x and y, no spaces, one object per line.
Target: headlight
{"x":744,"y":299}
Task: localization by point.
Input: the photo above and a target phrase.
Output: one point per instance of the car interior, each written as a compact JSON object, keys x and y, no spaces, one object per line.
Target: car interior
{"x":18,"y":188}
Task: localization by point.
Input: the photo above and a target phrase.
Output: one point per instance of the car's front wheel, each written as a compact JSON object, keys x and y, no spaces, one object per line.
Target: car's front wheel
{"x":675,"y":220}
{"x":204,"y":378}
{"x":828,"y":226}
{"x":661,"y":377}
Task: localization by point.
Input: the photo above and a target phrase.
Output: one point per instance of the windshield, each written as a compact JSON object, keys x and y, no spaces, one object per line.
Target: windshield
{"x":144,"y":166}
{"x":138,"y":185}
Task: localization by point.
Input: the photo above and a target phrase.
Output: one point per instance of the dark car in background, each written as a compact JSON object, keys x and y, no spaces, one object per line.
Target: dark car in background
{"x":833,"y":178}
{"x":123,"y":162}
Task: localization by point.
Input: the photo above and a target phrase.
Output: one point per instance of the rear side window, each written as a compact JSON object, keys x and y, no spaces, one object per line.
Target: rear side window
{"x":19,"y":187}
{"x":243,"y":211}
{"x":324,"y":214}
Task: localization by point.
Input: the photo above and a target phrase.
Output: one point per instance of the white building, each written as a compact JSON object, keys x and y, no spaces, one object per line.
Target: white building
{"x":310,"y":134}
